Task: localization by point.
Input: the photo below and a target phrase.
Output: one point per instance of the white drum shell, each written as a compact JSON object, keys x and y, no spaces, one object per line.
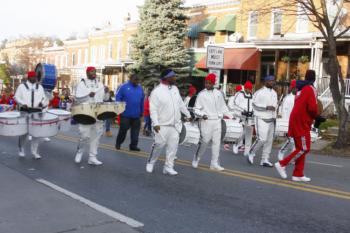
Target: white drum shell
{"x":234,"y":130}
{"x":10,"y":126}
{"x":190,"y":133}
{"x":281,"y":127}
{"x":63,"y":117}
{"x":40,"y":127}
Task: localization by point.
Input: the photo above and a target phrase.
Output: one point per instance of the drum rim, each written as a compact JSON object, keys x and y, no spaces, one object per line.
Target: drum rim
{"x":21,"y":115}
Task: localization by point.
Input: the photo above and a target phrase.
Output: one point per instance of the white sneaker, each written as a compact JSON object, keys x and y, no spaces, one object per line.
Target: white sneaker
{"x":21,"y":153}
{"x":280,"y":156}
{"x":78,"y":157}
{"x":47,"y":139}
{"x":195,"y":163}
{"x":30,"y":137}
{"x":216,"y":167}
{"x":235,"y":149}
{"x":149,"y":167}
{"x":301,"y":179}
{"x":281,"y":170}
{"x":169,"y":171}
{"x":36,"y":155}
{"x":266,"y":163}
{"x":94,"y":161}
{"x":250,"y":158}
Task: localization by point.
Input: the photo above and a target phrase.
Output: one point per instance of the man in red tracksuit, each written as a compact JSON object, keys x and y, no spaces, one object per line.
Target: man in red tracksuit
{"x":303,"y":114}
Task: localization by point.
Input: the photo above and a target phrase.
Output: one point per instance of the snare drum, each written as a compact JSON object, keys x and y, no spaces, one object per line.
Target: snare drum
{"x":231,"y":130}
{"x":13,"y":123}
{"x":281,"y":127}
{"x":42,"y":125}
{"x":84,"y":113}
{"x":109,"y":110}
{"x":190,"y":134}
{"x":47,"y":75}
{"x":63,"y":117}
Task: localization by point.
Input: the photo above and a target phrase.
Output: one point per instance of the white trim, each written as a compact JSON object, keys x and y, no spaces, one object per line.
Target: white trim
{"x":115,"y":215}
{"x":194,"y":14}
{"x":223,"y":10}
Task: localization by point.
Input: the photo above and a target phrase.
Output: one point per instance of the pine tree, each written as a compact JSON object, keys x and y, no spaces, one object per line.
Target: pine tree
{"x":159,"y":42}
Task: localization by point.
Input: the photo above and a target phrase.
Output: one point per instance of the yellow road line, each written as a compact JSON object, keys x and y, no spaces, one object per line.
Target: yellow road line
{"x":244,"y":175}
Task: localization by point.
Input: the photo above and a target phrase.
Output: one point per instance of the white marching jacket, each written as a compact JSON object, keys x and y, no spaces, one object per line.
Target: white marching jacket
{"x":31,"y":95}
{"x":166,"y":106}
{"x":287,"y":106}
{"x":243,"y":102}
{"x":211,"y":103}
{"x":85,"y":87}
{"x":231,"y":105}
{"x":262,"y":98}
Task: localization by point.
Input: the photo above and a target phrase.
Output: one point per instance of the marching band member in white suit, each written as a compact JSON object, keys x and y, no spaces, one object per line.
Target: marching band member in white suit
{"x":166,"y":106}
{"x":211,"y":106}
{"x":89,"y":90}
{"x":244,"y":104}
{"x":286,"y":109}
{"x":31,"y":98}
{"x":265,"y":107}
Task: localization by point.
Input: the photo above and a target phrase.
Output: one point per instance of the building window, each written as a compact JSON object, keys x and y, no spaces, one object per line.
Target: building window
{"x":253,"y":24}
{"x":302,"y":20}
{"x":110,"y":50}
{"x":61,"y":61}
{"x":86,"y":56}
{"x":194,"y":42}
{"x":73,"y":59}
{"x":129,"y":48}
{"x":79,"y":57}
{"x":93,"y":54}
{"x":276,"y":22}
{"x":209,"y":39}
{"x":119,"y":54}
{"x":101,"y":53}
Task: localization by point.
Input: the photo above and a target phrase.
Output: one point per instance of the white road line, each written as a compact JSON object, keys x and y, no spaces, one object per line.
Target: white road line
{"x":325,"y":164}
{"x":120,"y":217}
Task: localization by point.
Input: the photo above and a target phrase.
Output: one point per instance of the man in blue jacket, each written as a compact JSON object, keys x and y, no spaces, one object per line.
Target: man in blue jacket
{"x":132,"y":94}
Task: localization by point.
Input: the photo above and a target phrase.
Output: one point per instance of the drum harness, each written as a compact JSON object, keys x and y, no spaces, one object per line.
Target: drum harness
{"x":36,"y":87}
{"x":249,"y":113}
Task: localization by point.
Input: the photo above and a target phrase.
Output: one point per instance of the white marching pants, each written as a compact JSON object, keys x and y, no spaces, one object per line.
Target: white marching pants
{"x":90,"y":134}
{"x":167,"y":136}
{"x":210,"y":131}
{"x":264,"y":138}
{"x":34,"y":144}
{"x":247,"y":136}
{"x":287,"y":147}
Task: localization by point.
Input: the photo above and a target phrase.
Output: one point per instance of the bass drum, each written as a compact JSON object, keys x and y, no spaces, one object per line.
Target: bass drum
{"x":231,"y":130}
{"x":47,"y":75}
{"x":190,"y":134}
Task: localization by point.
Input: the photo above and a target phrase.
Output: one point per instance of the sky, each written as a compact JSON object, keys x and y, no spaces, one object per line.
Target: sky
{"x":62,"y":18}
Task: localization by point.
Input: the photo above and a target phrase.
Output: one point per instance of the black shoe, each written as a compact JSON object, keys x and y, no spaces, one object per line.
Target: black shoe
{"x":117,"y":147}
{"x":134,"y":149}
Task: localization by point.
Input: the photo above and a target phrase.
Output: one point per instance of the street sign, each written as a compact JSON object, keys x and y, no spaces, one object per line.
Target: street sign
{"x":215,"y":57}
{"x":217,"y":73}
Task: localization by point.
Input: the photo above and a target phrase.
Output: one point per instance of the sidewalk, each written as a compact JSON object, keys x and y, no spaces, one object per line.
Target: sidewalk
{"x":30,"y":207}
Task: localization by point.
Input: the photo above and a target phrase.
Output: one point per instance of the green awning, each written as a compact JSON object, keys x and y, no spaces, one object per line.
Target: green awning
{"x":195,"y":58}
{"x":227,"y":23}
{"x":193,"y":31}
{"x":208,"y":25}
{"x":199,"y":73}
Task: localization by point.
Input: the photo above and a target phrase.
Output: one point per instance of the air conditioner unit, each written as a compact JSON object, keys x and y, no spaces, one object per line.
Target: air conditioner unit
{"x":235,"y":37}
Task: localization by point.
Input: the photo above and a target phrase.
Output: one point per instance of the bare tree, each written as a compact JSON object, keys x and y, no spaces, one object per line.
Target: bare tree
{"x":331,"y":20}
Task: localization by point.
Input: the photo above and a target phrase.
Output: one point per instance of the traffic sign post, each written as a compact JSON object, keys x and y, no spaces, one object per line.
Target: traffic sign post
{"x":215,"y":57}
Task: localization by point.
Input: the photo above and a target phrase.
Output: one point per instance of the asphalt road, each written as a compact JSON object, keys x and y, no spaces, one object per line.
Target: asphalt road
{"x":243,"y":198}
